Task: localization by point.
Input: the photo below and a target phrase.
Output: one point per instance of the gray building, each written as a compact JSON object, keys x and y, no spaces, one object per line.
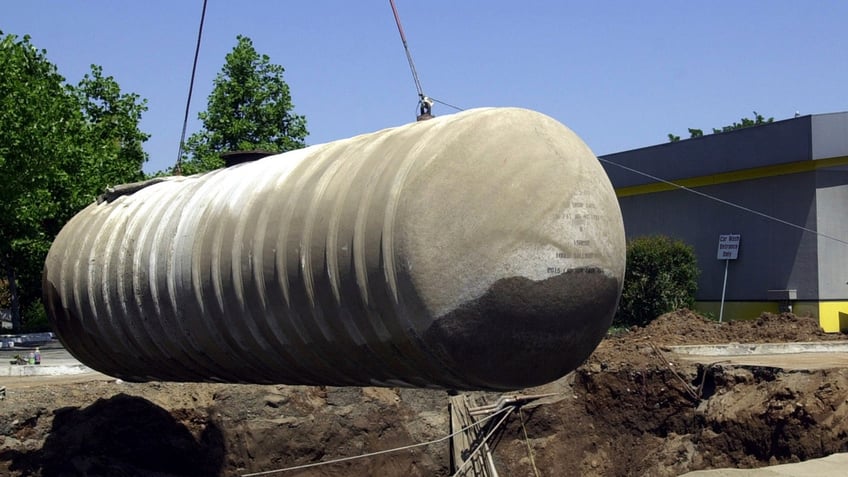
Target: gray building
{"x":793,"y":171}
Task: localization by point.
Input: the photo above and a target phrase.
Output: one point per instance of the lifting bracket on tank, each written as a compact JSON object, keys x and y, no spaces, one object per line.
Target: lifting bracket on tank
{"x":425,"y":109}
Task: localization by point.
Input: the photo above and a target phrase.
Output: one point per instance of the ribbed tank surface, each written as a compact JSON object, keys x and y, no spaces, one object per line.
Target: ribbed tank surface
{"x":481,"y":250}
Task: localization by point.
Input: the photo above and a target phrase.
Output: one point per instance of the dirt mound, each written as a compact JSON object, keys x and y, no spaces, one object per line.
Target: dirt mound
{"x":635,"y":347}
{"x":660,"y":416}
{"x":687,"y":327}
{"x":631,"y":409}
{"x":643,"y":422}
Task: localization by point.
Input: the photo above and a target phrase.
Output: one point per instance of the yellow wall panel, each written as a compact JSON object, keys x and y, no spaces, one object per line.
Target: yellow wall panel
{"x":833,"y":316}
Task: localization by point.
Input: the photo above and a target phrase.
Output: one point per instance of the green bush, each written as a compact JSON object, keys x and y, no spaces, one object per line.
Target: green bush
{"x":661,"y":276}
{"x":35,"y":318}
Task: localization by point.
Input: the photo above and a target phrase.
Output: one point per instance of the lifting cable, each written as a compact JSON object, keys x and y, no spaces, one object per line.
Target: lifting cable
{"x":177,"y":166}
{"x":425,"y":104}
{"x":725,"y":202}
{"x":446,"y":104}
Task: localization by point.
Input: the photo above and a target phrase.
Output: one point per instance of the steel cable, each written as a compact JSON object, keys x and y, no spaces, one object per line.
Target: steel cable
{"x":177,"y":167}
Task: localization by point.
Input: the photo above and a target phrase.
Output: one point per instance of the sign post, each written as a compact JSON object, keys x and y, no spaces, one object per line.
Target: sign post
{"x":728,"y":249}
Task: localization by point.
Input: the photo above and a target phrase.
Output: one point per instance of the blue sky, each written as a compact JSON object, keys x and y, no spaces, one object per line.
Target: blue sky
{"x":622,"y":74}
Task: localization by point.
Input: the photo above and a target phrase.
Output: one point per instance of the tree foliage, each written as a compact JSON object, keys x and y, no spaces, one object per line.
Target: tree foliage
{"x":661,"y":276}
{"x":112,"y":119}
{"x":249,"y":108}
{"x":60,"y":146}
{"x":758,"y":120}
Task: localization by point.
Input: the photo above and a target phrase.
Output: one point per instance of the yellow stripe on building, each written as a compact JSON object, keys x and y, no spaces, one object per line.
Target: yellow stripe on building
{"x":734,"y":176}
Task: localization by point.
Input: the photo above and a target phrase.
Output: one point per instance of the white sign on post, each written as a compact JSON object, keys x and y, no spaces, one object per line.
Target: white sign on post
{"x":728,"y":246}
{"x":728,"y":249}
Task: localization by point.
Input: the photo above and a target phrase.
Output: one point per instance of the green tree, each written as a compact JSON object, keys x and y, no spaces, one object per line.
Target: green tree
{"x":661,"y":276}
{"x":250,"y":108}
{"x":758,"y":120}
{"x":59,"y":146}
{"x":116,"y":153}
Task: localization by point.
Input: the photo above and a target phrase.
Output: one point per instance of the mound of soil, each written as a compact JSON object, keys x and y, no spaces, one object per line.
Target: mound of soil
{"x":635,"y":410}
{"x":685,"y":327}
{"x":631,"y":409}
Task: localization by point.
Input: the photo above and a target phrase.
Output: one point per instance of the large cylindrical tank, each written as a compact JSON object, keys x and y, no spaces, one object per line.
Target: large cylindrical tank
{"x":482,"y":250}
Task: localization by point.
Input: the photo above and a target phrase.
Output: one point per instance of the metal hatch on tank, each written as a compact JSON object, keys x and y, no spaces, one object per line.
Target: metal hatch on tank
{"x":481,"y":250}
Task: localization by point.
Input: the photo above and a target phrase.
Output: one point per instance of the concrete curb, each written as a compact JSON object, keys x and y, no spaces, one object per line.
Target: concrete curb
{"x":737,"y":349}
{"x":19,"y":370}
{"x":832,"y":465}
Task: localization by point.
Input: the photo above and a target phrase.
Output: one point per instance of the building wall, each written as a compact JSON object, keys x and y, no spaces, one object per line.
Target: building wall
{"x":832,"y":221}
{"x":829,"y":135}
{"x":776,"y":144}
{"x":771,"y":255}
{"x":794,"y":170}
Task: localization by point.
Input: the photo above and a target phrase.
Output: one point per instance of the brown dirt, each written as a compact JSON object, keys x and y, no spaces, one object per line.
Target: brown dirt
{"x":631,"y":409}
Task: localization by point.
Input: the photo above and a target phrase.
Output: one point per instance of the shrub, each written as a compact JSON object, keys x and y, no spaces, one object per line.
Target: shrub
{"x":661,"y":276}
{"x":35,"y":318}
